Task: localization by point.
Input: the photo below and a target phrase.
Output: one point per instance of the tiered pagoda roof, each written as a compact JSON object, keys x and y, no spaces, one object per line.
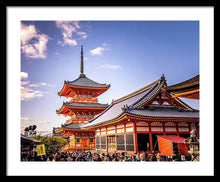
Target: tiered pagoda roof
{"x":83,"y":81}
{"x":68,"y":106}
{"x":83,"y":92}
{"x":70,"y":88}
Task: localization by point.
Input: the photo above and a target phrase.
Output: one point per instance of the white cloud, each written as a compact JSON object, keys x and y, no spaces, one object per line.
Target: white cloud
{"x":45,"y":84}
{"x":39,"y":84}
{"x":27,"y":33}
{"x":83,"y":35}
{"x":110,"y":66}
{"x":24,"y":75}
{"x":33,"y":44}
{"x":44,"y":122}
{"x":26,"y":119}
{"x":33,"y":85}
{"x":28,"y":93}
{"x":97,"y":51}
{"x":70,"y":32}
{"x":25,"y":82}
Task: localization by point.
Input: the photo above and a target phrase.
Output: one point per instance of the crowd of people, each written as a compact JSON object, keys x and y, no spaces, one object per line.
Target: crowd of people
{"x":102,"y":157}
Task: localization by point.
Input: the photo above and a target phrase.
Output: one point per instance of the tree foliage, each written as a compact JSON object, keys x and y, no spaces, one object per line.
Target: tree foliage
{"x":52,"y":143}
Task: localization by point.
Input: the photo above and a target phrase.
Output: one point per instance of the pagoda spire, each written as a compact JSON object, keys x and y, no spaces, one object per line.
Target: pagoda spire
{"x":81,"y":63}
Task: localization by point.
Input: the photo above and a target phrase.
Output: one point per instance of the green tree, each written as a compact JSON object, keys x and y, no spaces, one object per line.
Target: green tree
{"x":52,"y":143}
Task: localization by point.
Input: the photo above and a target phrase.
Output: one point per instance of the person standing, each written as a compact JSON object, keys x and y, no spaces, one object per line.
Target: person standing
{"x":158,"y":156}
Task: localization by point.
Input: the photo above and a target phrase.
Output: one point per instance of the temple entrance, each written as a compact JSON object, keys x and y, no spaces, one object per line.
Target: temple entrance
{"x":143,"y":142}
{"x":184,"y":135}
{"x":111,"y":143}
{"x":85,"y":142}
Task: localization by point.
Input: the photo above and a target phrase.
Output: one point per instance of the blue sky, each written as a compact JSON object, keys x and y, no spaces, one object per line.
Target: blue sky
{"x":126,"y":54}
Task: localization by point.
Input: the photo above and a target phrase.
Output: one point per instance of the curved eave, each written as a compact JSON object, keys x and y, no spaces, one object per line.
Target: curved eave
{"x":183,"y":103}
{"x":63,"y":129}
{"x":164,"y":117}
{"x":59,"y":131}
{"x":61,"y":109}
{"x":192,"y":83}
{"x":75,"y":129}
{"x":63,"y":90}
{"x":149,"y":96}
{"x":67,"y":89}
{"x":185,"y":89}
{"x":83,"y":107}
{"x":193,"y":94}
{"x":115,"y":120}
{"x":88,"y":87}
{"x":71,"y":108}
{"x":155,"y":92}
{"x":179,"y":89}
{"x":125,"y":115}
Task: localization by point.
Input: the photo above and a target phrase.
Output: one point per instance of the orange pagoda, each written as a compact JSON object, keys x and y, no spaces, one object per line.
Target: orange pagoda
{"x":82,"y":106}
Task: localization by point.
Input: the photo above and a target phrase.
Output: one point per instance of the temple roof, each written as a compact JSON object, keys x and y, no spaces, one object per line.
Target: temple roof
{"x":185,"y":89}
{"x":131,"y":103}
{"x":115,"y":109}
{"x":71,"y":126}
{"x":81,"y":105}
{"x":190,"y":84}
{"x":29,"y":140}
{"x":85,"y":105}
{"x":83,"y":81}
{"x":165,"y":112}
{"x":152,"y":92}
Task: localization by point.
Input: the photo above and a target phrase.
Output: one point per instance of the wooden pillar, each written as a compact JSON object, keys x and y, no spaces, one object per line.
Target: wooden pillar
{"x":150,"y":137}
{"x":115,"y":138}
{"x":75,"y":140}
{"x":177,"y":129}
{"x":106,"y":140}
{"x":189,"y":126}
{"x":106,"y":144}
{"x":163,"y":125}
{"x":135,"y":138}
{"x":125,"y":137}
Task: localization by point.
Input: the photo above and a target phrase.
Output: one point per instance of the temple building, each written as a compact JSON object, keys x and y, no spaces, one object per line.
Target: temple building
{"x":82,"y":106}
{"x":131,"y":123}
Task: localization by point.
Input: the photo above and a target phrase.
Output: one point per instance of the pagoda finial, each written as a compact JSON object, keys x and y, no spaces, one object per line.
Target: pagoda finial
{"x":81,"y":63}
